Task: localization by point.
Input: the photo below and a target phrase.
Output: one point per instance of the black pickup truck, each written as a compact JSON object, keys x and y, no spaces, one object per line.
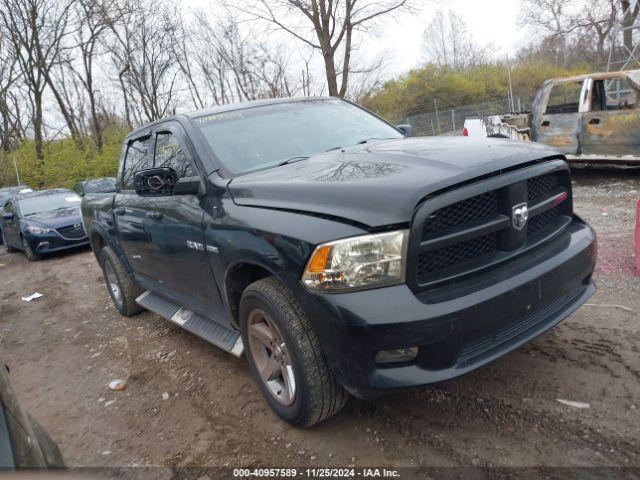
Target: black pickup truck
{"x":336,"y":253}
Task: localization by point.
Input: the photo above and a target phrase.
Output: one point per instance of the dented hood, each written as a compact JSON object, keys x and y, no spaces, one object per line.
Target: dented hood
{"x":380,"y":184}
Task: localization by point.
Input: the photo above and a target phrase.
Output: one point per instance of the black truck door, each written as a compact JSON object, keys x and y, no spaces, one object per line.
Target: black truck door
{"x":132,"y":212}
{"x":181,"y":260}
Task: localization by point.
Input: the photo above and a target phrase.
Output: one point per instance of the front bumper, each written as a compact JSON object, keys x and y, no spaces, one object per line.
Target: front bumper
{"x":53,"y":242}
{"x":458,"y":331}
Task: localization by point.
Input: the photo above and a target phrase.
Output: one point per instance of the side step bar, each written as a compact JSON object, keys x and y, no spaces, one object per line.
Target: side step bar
{"x":220,"y":335}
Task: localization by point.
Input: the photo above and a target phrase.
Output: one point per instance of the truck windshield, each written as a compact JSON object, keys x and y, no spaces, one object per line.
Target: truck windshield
{"x":266,"y":136}
{"x":48,"y":203}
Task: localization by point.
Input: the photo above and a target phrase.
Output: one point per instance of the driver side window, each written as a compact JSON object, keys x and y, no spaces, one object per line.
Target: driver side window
{"x":169,"y":153}
{"x":135,"y":161}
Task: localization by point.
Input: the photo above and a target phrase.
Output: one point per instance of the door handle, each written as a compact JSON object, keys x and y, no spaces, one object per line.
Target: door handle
{"x":546,"y":123}
{"x":594,"y":121}
{"x":120,"y":211}
{"x":155,"y":215}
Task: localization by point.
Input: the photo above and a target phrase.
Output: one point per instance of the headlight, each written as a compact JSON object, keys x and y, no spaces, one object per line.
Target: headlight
{"x":358,"y":263}
{"x":38,"y":230}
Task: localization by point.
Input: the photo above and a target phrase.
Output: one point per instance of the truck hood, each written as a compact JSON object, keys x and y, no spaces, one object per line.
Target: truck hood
{"x":380,"y":184}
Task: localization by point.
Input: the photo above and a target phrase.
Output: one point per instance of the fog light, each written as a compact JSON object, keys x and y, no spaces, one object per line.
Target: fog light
{"x":42,"y":245}
{"x":397,"y":356}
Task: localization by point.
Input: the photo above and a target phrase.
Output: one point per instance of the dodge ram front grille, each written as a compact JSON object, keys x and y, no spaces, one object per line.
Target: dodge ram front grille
{"x":485,"y":224}
{"x":461,"y":213}
{"x":539,"y":187}
{"x":544,"y":220}
{"x":457,"y":253}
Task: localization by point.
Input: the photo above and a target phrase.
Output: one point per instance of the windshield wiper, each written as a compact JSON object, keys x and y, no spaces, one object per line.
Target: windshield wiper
{"x":366,"y":140}
{"x":291,"y":160}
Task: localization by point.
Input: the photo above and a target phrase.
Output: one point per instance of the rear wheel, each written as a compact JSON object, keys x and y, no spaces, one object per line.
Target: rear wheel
{"x":122,"y":288}
{"x":285,"y":357}
{"x":26,"y":248}
{"x":8,"y":248}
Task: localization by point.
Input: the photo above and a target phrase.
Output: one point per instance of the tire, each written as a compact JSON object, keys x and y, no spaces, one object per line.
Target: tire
{"x":30,"y":254}
{"x":294,"y":349}
{"x":8,"y":248}
{"x":121,"y":286}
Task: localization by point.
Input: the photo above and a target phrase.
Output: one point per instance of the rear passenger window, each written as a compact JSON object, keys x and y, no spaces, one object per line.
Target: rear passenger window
{"x":565,"y":98}
{"x":135,"y":161}
{"x":614,"y":94}
{"x":169,"y":153}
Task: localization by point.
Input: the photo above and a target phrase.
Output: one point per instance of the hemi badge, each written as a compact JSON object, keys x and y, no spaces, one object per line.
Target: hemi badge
{"x":212,"y":249}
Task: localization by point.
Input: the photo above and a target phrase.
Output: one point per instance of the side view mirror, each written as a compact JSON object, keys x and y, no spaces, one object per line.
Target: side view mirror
{"x":155,"y":182}
{"x":406,"y":129}
{"x":8,"y":216}
{"x":188,"y":186}
{"x":162,"y":182}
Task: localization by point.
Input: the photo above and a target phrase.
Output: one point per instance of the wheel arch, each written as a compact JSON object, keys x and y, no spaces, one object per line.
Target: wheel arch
{"x":99,"y":239}
{"x":237,"y":278}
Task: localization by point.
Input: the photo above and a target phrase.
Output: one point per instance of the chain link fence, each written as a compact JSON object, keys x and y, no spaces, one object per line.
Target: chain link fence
{"x":451,"y":121}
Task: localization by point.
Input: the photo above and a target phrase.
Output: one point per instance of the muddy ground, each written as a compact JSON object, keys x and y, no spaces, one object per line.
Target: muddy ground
{"x":65,"y":347}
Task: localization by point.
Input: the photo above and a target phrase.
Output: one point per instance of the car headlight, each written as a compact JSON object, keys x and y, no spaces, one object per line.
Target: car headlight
{"x":358,"y":263}
{"x":38,"y":230}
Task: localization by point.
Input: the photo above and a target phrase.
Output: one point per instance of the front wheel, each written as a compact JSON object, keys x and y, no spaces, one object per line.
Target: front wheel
{"x":122,"y":288}
{"x":285,"y":357}
{"x":31,"y":255}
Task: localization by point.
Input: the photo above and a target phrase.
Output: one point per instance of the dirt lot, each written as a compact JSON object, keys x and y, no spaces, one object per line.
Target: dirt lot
{"x":65,"y":347}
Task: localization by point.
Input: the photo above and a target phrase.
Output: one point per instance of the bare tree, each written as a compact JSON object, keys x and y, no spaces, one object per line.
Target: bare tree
{"x":11,"y":129}
{"x":333,"y":26}
{"x":221,"y":63}
{"x":21,"y":23}
{"x":553,"y":19}
{"x":90,"y":30}
{"x":599,"y":19}
{"x":447,"y":42}
{"x":141,"y":51}
{"x":572,"y":31}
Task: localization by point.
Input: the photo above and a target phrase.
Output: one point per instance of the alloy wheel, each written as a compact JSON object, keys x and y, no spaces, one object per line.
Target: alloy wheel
{"x":112,"y":283}
{"x":271,"y":357}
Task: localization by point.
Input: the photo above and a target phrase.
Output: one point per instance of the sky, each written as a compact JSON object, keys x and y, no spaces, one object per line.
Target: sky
{"x":488,"y":21}
{"x":399,"y":37}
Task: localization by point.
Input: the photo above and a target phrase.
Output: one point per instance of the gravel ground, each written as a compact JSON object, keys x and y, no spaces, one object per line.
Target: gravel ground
{"x":189,"y":404}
